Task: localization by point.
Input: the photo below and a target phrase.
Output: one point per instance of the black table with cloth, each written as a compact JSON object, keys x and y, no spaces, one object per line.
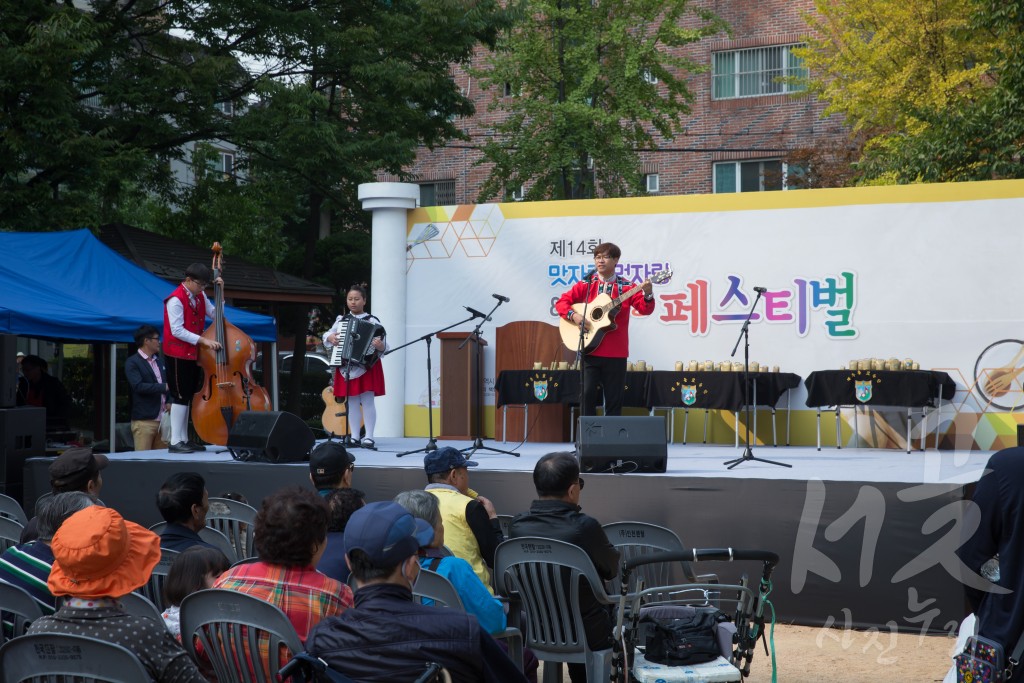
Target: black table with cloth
{"x":649,"y":389}
{"x":901,"y":388}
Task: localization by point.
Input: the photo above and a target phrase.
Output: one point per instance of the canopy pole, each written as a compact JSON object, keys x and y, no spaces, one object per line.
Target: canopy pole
{"x":273,"y":375}
{"x":113,"y":397}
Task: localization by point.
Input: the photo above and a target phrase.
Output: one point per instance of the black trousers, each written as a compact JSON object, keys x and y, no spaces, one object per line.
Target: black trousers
{"x":182,"y":379}
{"x":607,"y":375}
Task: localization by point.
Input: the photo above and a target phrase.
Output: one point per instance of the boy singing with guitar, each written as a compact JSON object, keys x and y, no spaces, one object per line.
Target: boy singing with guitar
{"x":606,"y":342}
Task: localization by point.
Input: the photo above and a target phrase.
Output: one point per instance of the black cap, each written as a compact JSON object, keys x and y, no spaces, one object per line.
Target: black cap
{"x":76,"y":466}
{"x":329,"y":459}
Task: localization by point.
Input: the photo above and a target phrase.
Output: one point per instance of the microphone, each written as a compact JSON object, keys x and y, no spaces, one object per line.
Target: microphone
{"x":761,"y":290}
{"x":476,"y":313}
{"x":499,"y":297}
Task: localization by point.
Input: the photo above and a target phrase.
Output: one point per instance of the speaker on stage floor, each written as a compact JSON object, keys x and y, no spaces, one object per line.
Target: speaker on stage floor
{"x":270,"y":436}
{"x":623,"y":444}
{"x":22,"y":436}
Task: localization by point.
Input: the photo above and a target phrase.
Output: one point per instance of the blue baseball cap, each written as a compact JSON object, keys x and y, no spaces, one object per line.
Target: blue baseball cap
{"x":387,"y":533}
{"x":444,"y":459}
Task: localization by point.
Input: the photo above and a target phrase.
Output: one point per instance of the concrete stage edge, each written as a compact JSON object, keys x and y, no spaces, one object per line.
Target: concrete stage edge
{"x":855,"y":550}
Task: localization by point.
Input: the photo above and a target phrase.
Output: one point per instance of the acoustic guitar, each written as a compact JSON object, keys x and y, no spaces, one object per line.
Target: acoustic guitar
{"x":335,"y":417}
{"x":601,"y":312}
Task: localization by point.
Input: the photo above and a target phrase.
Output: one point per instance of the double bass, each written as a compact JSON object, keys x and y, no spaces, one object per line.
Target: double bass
{"x":228,"y":385}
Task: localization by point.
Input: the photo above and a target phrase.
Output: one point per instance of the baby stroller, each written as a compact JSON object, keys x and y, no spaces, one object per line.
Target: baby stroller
{"x":673,"y":623}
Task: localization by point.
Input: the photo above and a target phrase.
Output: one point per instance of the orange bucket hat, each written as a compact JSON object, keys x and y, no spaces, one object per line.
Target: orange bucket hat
{"x":98,"y":553}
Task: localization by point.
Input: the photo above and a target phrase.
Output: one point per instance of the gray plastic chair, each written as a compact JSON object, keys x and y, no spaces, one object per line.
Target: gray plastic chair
{"x":237,"y":521}
{"x":432,"y":586}
{"x":230,"y":626}
{"x":56,"y":657}
{"x":12,"y":509}
{"x":504,"y":521}
{"x":545,"y":576}
{"x":637,"y":539}
{"x":208,"y":534}
{"x":154,"y":588}
{"x":18,"y":607}
{"x":10,"y":533}
{"x":139,"y":605}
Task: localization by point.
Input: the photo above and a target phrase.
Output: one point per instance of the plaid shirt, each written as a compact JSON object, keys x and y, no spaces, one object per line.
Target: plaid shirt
{"x":304,"y":594}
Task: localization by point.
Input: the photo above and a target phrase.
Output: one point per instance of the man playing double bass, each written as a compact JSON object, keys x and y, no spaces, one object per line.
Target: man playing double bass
{"x":185,"y":314}
{"x":606,"y":364}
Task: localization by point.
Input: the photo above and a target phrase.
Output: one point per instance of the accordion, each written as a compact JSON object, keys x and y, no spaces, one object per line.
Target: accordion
{"x":355,"y":343}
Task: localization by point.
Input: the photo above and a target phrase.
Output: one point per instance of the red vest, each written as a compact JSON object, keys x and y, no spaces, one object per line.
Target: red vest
{"x":195,"y":319}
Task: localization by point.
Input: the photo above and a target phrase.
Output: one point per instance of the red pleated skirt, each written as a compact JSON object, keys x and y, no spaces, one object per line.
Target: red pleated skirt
{"x":372,"y":380}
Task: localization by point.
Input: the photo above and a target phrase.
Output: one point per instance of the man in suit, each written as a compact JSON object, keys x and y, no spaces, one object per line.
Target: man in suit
{"x":148,"y":380}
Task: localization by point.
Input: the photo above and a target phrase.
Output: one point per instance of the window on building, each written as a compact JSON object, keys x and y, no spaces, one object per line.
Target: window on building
{"x":437,"y":193}
{"x":508,"y":92}
{"x":749,"y":176}
{"x":652,"y":182}
{"x":222,"y":162}
{"x":756,"y":71}
{"x":516,"y":194}
{"x":649,"y":77}
{"x":225,"y":108}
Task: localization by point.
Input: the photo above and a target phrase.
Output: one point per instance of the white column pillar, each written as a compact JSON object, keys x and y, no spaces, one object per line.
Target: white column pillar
{"x":390,"y":204}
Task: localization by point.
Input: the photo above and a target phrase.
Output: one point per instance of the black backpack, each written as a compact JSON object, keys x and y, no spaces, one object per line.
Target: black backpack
{"x":684,"y":639}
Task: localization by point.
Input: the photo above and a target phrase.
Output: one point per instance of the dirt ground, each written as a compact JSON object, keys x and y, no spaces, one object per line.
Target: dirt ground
{"x":806,"y":654}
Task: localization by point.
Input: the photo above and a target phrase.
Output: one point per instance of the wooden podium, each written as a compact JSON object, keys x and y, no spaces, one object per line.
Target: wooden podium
{"x":461,"y":378}
{"x":519,"y":345}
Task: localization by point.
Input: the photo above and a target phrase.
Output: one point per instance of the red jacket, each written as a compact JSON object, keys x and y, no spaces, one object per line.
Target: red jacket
{"x":195,"y":319}
{"x":614,"y":344}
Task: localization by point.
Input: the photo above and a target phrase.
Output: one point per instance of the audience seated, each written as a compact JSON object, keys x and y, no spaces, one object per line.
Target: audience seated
{"x":387,"y":636}
{"x":557,"y":514}
{"x":291,"y":536}
{"x":478,"y":601}
{"x":342,"y":503}
{"x":98,"y":557}
{"x":183,"y":502}
{"x":28,"y":565}
{"x":76,"y":469}
{"x":193,"y":570}
{"x":472,"y":530}
{"x":331,"y":467}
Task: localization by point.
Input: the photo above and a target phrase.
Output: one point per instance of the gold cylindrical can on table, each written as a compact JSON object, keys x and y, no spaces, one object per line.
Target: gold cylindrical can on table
{"x":916,"y":366}
{"x":737,"y":367}
{"x":538,"y":366}
{"x":679,"y":366}
{"x":641,"y":365}
{"x":563,"y":365}
{"x":754,"y":366}
{"x":864,"y":364}
{"x":709,"y":365}
{"x":908,"y":364}
{"x":775,"y":368}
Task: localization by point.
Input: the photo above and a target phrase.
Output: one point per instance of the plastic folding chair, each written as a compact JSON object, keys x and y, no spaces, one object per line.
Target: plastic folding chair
{"x":237,"y":521}
{"x":54,"y":657}
{"x":241,"y":636}
{"x":12,"y":509}
{"x":18,"y":609}
{"x":154,"y":588}
{"x":432,"y":586}
{"x":139,"y":605}
{"x":10,"y":533}
{"x":545,"y":577}
{"x":641,"y":539}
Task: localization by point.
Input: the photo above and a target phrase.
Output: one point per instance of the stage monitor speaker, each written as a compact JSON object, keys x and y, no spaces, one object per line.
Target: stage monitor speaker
{"x":8,"y":370}
{"x":270,"y":436}
{"x":22,"y":436}
{"x":623,"y":445}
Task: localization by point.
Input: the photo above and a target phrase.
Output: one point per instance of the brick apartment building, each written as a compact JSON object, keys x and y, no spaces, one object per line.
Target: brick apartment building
{"x":743,"y":127}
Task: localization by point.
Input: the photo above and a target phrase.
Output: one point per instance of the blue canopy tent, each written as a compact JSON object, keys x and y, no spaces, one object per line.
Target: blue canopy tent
{"x":69,"y":286}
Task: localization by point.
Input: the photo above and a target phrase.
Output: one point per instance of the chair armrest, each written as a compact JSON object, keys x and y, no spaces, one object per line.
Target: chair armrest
{"x":514,"y":637}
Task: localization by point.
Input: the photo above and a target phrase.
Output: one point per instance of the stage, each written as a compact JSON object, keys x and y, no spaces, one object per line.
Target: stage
{"x":867,"y":537}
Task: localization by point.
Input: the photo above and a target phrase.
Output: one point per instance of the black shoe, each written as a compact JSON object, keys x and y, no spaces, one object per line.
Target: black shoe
{"x":180,"y":447}
{"x":195,"y":446}
{"x":369,"y":444}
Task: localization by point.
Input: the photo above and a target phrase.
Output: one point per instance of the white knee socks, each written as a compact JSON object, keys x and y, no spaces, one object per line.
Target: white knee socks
{"x":179,"y":423}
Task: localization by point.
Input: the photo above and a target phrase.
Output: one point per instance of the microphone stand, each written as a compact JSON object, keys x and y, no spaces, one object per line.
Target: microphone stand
{"x":432,"y":443}
{"x":478,"y":442}
{"x":748,"y":453}
{"x":580,"y":346}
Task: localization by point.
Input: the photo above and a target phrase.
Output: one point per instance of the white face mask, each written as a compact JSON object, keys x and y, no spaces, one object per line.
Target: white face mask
{"x":414,"y":570}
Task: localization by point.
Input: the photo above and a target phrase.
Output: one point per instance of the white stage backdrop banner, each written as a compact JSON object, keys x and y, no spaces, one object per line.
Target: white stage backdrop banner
{"x":917,"y":272}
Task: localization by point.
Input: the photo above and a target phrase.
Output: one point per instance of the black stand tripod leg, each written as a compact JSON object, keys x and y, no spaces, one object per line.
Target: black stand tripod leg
{"x":432,"y":443}
{"x":478,"y":442}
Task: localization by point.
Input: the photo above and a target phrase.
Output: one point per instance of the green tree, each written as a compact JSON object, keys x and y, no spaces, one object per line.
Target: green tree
{"x":896,"y":69}
{"x":590,"y":84}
